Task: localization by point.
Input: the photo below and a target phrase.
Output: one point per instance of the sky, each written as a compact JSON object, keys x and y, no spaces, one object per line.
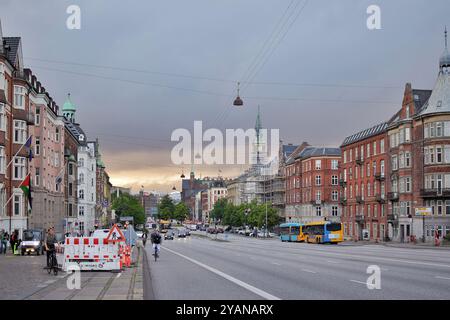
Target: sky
{"x":138,"y":70}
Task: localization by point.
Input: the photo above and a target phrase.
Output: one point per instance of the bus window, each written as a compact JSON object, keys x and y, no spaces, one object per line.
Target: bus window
{"x":295,"y":230}
{"x":334,"y":227}
{"x":284,"y":230}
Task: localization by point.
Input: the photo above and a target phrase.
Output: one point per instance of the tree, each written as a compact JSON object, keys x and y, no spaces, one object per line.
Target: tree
{"x":218,"y":211}
{"x":166,"y":208}
{"x":181,"y":212}
{"x":127,"y":205}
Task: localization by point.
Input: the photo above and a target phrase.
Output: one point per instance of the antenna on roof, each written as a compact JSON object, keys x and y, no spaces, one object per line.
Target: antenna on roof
{"x":445,"y":32}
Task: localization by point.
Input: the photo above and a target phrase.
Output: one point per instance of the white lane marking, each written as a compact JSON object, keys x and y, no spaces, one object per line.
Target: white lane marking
{"x":42,"y":286}
{"x":310,"y":271}
{"x":118,"y":275}
{"x":358,"y":282}
{"x":243,"y":284}
{"x":277,"y":264}
{"x":49,"y":281}
{"x":332,"y":261}
{"x":439,"y":277}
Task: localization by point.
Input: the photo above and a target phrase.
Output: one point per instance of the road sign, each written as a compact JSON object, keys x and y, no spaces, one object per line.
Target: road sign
{"x":115,"y":234}
{"x":423,"y":211}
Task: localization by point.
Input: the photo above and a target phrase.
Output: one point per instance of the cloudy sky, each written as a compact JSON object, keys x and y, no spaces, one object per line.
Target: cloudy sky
{"x":137,"y":70}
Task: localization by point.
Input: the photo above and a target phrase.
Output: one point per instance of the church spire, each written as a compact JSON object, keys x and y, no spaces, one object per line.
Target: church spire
{"x":444,"y":61}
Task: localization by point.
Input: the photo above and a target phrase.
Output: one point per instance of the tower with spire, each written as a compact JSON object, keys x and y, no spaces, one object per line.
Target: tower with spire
{"x":69,"y":109}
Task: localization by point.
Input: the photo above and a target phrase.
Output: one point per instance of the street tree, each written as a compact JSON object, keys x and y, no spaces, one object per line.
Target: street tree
{"x":181,"y":212}
{"x":127,"y":205}
{"x":166,"y":208}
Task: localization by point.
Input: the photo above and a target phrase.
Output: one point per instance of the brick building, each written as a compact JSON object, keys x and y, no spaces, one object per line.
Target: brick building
{"x":363,"y":183}
{"x":312,"y":184}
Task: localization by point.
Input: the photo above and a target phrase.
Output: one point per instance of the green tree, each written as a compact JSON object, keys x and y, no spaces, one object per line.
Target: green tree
{"x":218,"y":211}
{"x":166,"y":208}
{"x":181,"y":212}
{"x":127,"y":205}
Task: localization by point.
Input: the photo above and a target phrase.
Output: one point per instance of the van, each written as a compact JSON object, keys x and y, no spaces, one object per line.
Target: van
{"x":32,"y":242}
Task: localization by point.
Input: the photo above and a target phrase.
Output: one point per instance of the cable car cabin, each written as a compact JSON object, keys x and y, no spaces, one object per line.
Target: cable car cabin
{"x":323,"y":232}
{"x":291,"y":232}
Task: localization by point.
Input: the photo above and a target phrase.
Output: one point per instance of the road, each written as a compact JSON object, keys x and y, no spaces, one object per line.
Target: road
{"x":245,"y":268}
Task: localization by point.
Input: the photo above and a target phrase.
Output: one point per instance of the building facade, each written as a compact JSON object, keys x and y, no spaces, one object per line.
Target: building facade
{"x":364,"y":187}
{"x":48,"y":161}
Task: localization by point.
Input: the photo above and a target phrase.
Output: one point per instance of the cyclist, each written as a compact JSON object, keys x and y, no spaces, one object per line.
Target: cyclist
{"x":155,"y":237}
{"x":50,"y":241}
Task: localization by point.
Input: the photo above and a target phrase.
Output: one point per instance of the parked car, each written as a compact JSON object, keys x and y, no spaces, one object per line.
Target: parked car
{"x":219,"y":230}
{"x":244,"y":231}
{"x":168,"y":235}
{"x":211,"y":230}
{"x":33,"y":242}
{"x":188,"y":232}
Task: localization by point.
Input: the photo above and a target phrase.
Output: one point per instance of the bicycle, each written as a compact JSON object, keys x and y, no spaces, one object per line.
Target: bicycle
{"x":53,"y":263}
{"x":155,"y":254}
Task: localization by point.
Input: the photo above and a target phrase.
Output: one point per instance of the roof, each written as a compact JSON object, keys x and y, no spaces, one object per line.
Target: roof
{"x":287,"y":149}
{"x":318,"y":152}
{"x":420,"y":98}
{"x":14,"y":44}
{"x":68,"y":105}
{"x":75,"y":130}
{"x":367,"y":133}
{"x":439,"y":100}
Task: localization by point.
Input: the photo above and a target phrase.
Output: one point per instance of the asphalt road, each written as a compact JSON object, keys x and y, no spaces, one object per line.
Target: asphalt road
{"x":245,"y":268}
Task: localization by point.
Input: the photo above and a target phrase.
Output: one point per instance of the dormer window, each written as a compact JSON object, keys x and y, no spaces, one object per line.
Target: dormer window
{"x":416,"y":97}
{"x":439,"y":103}
{"x":407,"y":111}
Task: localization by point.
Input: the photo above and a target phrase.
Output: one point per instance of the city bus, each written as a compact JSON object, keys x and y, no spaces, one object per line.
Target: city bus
{"x":323,"y":232}
{"x":291,"y":232}
{"x":164,"y":225}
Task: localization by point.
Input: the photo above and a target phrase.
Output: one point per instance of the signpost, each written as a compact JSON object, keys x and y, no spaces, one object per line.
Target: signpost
{"x":423,"y":211}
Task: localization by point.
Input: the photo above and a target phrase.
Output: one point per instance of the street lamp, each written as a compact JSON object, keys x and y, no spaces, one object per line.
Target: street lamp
{"x":238,"y":101}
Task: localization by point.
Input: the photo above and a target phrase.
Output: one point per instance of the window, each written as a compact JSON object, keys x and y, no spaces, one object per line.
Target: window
{"x":438,"y":154}
{"x":394,"y":162}
{"x":37,"y":146}
{"x":318,"y":195}
{"x":407,"y":159}
{"x":70,"y":189}
{"x":2,"y":160}
{"x":81,"y":210}
{"x":318,"y":180}
{"x":334,"y":180}
{"x":81,"y":162}
{"x":368,"y":150}
{"x":374,"y":148}
{"x":2,"y":117}
{"x":319,"y":211}
{"x":37,"y":177}
{"x":17,"y":204}
{"x":382,"y":146}
{"x":81,"y":178}
{"x":19,"y":168}
{"x":318,"y":164}
{"x":70,"y":210}
{"x":334,"y":211}
{"x":19,"y":97}
{"x":57,"y":134}
{"x":334,"y":165}
{"x":20,"y":131}
{"x":70,"y":169}
{"x":37,"y":119}
{"x":368,"y":170}
{"x":334,"y":195}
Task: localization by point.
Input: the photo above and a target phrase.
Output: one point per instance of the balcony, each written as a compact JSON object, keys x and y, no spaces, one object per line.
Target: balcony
{"x":359,"y":161}
{"x":20,"y":74}
{"x":392,"y":217}
{"x":360,"y":199}
{"x":379,"y":176}
{"x":435,"y":193}
{"x":380,"y":198}
{"x":30,"y":118}
{"x":343,"y":201}
{"x":359,"y":218}
{"x":392,"y":196}
{"x":342,"y":182}
{"x":316,"y":202}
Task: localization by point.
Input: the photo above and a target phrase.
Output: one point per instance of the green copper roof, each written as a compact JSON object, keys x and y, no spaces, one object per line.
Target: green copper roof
{"x":68,"y":105}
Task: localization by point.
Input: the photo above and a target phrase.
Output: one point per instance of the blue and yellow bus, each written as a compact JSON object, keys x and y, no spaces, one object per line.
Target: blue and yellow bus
{"x":291,"y":232}
{"x":323,"y":232}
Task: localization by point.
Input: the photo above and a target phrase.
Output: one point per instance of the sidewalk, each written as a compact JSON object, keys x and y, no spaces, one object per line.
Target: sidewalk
{"x":418,"y":245}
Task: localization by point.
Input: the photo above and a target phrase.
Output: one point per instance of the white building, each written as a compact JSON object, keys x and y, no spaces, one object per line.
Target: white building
{"x":86,"y":187}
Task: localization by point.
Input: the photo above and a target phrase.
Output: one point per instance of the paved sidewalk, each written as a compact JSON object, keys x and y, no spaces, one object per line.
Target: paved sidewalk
{"x":418,"y":245}
{"x":100,"y":285}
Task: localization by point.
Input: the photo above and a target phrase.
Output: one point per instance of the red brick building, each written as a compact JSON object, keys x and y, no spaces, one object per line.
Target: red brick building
{"x":312,"y":184}
{"x":363,"y":184}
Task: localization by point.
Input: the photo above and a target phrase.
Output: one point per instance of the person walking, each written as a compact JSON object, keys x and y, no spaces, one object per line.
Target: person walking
{"x":2,"y":233}
{"x":12,"y":241}
{"x":144,"y":238}
{"x":4,"y":240}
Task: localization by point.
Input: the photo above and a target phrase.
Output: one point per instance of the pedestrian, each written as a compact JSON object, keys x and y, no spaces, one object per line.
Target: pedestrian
{"x":2,"y":233}
{"x":144,"y":238}
{"x":12,"y":241}
{"x":4,"y":241}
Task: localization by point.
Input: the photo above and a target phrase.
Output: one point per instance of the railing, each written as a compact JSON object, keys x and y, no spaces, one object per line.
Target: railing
{"x":316,"y":202}
{"x":392,"y":196}
{"x":359,"y":199}
{"x":359,"y":161}
{"x":342,"y":182}
{"x":20,"y":74}
{"x":343,"y":201}
{"x":359,"y":218}
{"x":392,"y":217}
{"x":380,"y":198}
{"x":435,"y":193}
{"x":379,"y":176}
